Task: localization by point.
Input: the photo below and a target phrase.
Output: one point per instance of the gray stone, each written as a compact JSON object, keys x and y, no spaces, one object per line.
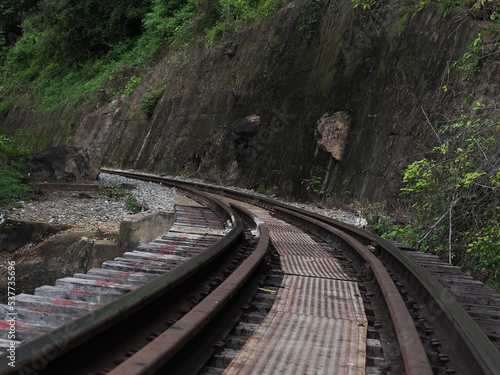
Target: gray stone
{"x":66,"y":163}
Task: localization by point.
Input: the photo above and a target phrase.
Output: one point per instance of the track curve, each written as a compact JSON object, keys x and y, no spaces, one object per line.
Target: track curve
{"x":469,"y":343}
{"x":420,"y":307}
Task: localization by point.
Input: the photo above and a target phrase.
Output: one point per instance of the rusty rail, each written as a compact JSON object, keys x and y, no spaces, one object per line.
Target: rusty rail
{"x":161,"y":350}
{"x":35,"y":355}
{"x":414,"y":355}
{"x":477,"y":351}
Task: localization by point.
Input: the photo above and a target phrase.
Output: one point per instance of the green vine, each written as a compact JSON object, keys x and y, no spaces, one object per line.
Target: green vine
{"x":486,"y":43}
{"x":150,"y":100}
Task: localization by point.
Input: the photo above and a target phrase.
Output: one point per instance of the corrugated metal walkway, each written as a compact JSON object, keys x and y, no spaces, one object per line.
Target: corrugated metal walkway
{"x":317,"y":324}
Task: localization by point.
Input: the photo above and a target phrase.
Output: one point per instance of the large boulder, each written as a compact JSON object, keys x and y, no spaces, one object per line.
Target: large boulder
{"x":331,"y":133}
{"x":66,"y":163}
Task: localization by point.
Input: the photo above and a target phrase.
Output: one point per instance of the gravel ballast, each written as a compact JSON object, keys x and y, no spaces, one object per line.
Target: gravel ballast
{"x":88,"y":211}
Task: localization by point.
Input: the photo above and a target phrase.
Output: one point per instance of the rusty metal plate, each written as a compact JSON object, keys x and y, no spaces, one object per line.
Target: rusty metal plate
{"x":302,"y":344}
{"x":290,"y":236}
{"x":317,"y":324}
{"x":318,"y":267}
{"x":306,"y":250}
{"x":321,"y":297}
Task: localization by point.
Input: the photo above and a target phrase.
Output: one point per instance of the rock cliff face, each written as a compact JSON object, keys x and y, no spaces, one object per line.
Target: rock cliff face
{"x":65,"y":163}
{"x":248,"y":113}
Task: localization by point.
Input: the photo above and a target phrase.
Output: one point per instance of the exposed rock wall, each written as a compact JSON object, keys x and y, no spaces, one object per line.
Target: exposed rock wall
{"x":386,"y":70}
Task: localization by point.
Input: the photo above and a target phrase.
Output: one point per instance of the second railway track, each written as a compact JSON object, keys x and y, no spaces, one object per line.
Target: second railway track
{"x":339,"y":301}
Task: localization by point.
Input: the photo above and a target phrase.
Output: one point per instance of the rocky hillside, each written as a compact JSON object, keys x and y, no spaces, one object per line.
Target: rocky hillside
{"x":340,"y":102}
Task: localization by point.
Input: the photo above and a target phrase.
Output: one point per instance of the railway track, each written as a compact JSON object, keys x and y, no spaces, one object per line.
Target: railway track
{"x":209,"y":297}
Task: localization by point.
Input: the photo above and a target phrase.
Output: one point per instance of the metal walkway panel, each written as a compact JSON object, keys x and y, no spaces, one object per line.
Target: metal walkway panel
{"x":290,"y":236}
{"x":321,"y":297}
{"x":317,"y":324}
{"x":307,"y":250}
{"x":318,"y":267}
{"x":198,"y":230}
{"x":279,"y":225}
{"x":302,"y":344}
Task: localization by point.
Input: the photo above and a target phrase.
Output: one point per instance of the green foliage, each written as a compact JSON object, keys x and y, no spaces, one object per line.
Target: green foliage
{"x":149,"y":101}
{"x":167,"y":23}
{"x":488,"y":9}
{"x":223,"y":18}
{"x":14,"y":171}
{"x":130,"y":204}
{"x":73,"y":52}
{"x":470,"y":60}
{"x":313,"y":185}
{"x":485,"y":247}
{"x":310,"y":18}
{"x":112,"y":192}
{"x":133,"y":83}
{"x":450,"y":4}
{"x":365,"y":4}
{"x":408,"y":233}
{"x":88,"y":29}
{"x":455,"y":197}
{"x":485,"y":44}
{"x":12,"y":13}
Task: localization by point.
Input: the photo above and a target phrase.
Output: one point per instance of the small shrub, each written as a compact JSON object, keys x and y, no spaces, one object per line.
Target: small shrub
{"x":130,"y":204}
{"x":313,"y":185}
{"x":15,"y":183}
{"x":150,"y":100}
{"x":131,"y":86}
{"x":486,"y":43}
{"x":112,"y":192}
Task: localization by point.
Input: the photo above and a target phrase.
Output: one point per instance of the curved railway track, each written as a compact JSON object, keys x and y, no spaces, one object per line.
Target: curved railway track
{"x":210,"y":297}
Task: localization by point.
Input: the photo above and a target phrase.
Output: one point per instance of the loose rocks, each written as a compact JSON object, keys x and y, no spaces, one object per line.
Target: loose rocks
{"x":93,"y":210}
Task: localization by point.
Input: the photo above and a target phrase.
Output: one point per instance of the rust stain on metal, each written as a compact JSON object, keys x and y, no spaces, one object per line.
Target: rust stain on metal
{"x":317,"y":324}
{"x":318,"y":267}
{"x":321,"y":297}
{"x":302,"y":344}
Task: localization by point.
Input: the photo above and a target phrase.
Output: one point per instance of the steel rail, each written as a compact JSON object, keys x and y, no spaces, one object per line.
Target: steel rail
{"x":162,"y":349}
{"x":33,"y":356}
{"x":478,"y":351}
{"x":414,"y":355}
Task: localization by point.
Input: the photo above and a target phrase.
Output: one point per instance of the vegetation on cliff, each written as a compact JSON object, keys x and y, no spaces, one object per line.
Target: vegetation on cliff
{"x":453,"y":198}
{"x":14,"y":171}
{"x":60,"y":51}
{"x":452,"y":195}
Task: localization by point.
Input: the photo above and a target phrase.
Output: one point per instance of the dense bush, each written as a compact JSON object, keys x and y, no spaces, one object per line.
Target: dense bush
{"x":454,"y":197}
{"x":69,"y":50}
{"x":12,"y":13}
{"x":14,"y":180}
